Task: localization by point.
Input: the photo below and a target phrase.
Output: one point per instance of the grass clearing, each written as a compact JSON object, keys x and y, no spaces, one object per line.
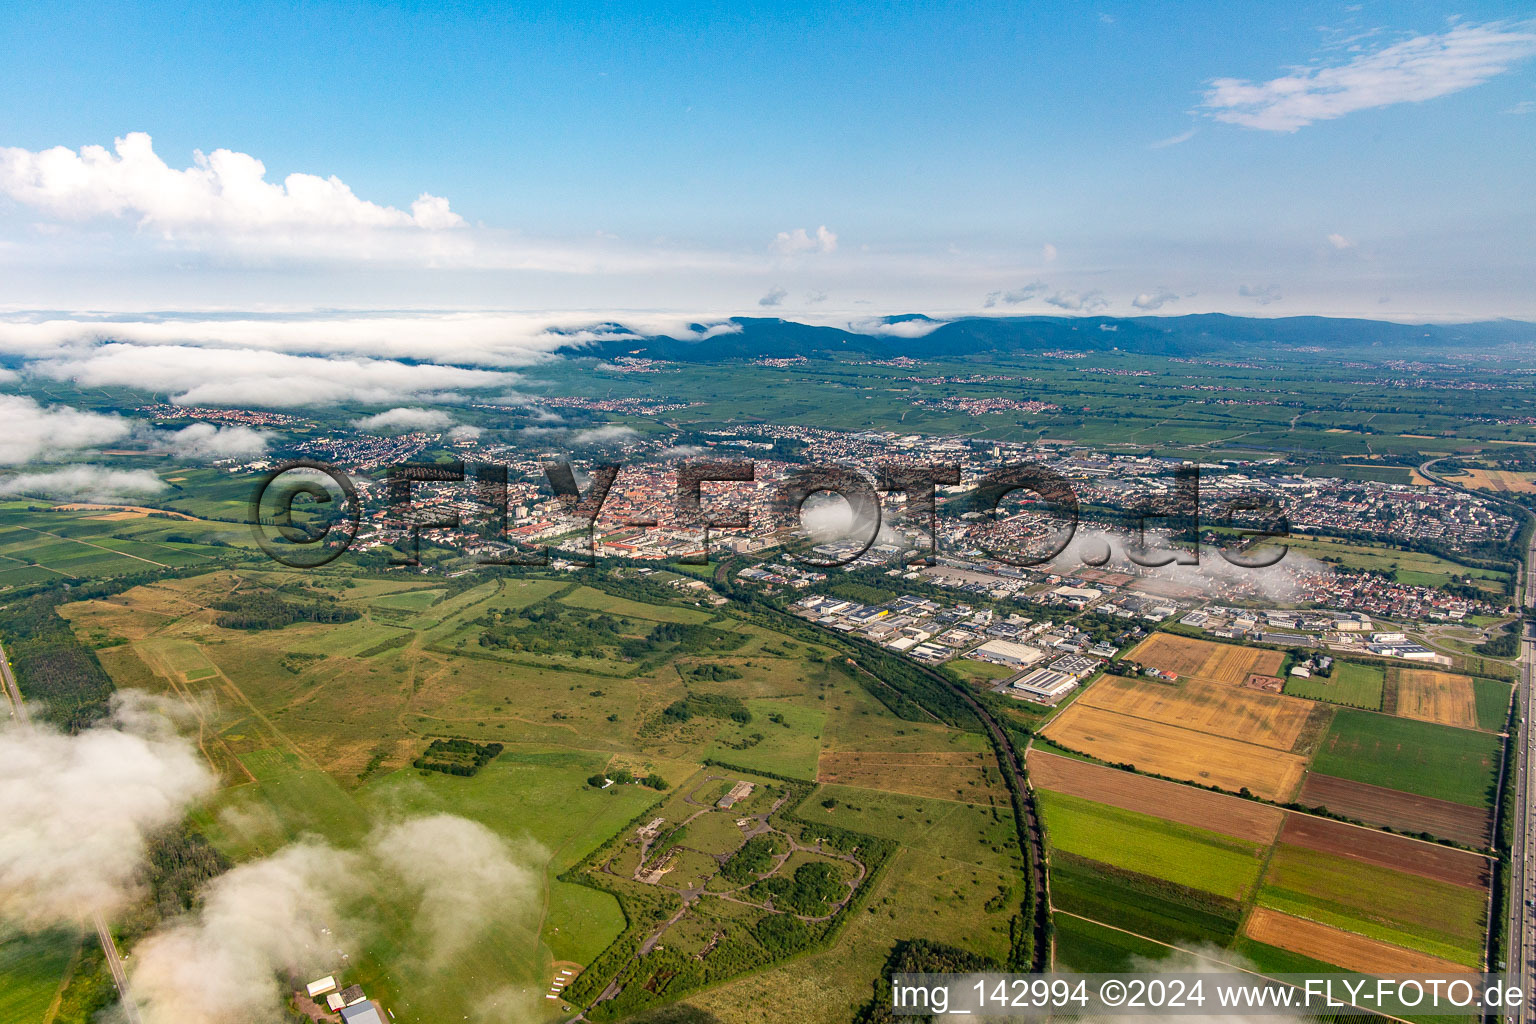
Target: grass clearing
{"x":1352,"y":684}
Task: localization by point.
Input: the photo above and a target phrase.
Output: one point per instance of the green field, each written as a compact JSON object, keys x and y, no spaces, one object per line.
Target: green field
{"x":1436,"y":917}
{"x":1410,"y":567}
{"x":1090,"y":948}
{"x":1416,"y":757}
{"x":32,"y":968}
{"x":1492,"y":699}
{"x":1362,"y":471}
{"x":1141,"y":904}
{"x":1141,"y":843}
{"x":1352,"y":684}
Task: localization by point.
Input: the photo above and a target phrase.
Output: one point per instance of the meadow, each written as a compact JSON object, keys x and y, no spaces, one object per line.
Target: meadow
{"x":312,"y":727}
{"x":1352,"y":684}
{"x":1436,"y":761}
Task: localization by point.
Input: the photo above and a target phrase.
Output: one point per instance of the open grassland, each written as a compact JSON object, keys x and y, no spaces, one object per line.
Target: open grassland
{"x":1336,"y":946}
{"x":1178,"y":753}
{"x":1397,"y":853}
{"x":312,"y":727}
{"x":1421,"y":758}
{"x":962,"y":775}
{"x":1228,"y":664}
{"x":983,"y":835}
{"x":1228,"y":815}
{"x":1413,"y":567}
{"x":784,"y":737}
{"x":1352,"y":684}
{"x":1230,"y":712}
{"x":978,"y":673}
{"x":934,"y":894}
{"x":1438,"y":918}
{"x":1427,"y":695}
{"x":1191,"y":857}
{"x":1393,"y":808}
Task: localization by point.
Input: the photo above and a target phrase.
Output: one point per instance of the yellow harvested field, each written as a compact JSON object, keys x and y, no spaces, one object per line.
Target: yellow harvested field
{"x":1177,"y":752}
{"x":1499,"y":480}
{"x":1203,"y":659}
{"x":1344,"y":949}
{"x":1231,"y":712}
{"x":1440,"y":697}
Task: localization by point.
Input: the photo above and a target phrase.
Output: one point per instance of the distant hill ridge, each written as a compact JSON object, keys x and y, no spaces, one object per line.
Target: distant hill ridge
{"x":1201,"y":334}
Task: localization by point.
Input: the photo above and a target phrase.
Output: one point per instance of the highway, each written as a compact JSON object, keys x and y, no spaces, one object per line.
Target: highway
{"x":1520,"y":959}
{"x":104,"y":933}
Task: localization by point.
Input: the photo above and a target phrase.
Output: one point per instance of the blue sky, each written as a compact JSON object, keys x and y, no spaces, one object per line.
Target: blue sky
{"x":650,"y":156}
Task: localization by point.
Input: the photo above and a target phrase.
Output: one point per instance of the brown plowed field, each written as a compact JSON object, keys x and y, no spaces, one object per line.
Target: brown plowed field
{"x":1232,"y":712}
{"x":1229,"y":815}
{"x":1345,"y":949}
{"x":1430,"y":696}
{"x":1404,"y":811}
{"x":1203,"y":659}
{"x":1440,"y":863}
{"x":1178,"y":753}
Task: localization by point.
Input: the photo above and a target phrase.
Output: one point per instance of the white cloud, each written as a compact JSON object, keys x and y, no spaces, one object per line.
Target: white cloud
{"x":606,"y":434}
{"x":469,"y":338}
{"x":1339,"y":242}
{"x":920,"y":327}
{"x":77,"y":810}
{"x":793,"y":243}
{"x":1263,"y":295}
{"x":1015,"y":296}
{"x":222,"y":191}
{"x":83,"y":483}
{"x":257,"y":919}
{"x":206,"y":441}
{"x":404,"y":420}
{"x":465,"y":432}
{"x":1523,"y":107}
{"x":463,"y":876}
{"x":242,"y":377}
{"x":1154,"y":299}
{"x":1078,"y":302}
{"x":293,"y":913}
{"x":774,"y":297}
{"x":1173,"y":140}
{"x":1048,"y":253}
{"x":1412,"y":71}
{"x":30,"y":432}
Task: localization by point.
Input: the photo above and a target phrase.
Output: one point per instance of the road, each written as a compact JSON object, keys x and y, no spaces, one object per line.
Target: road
{"x":1520,"y":957}
{"x":103,"y":932}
